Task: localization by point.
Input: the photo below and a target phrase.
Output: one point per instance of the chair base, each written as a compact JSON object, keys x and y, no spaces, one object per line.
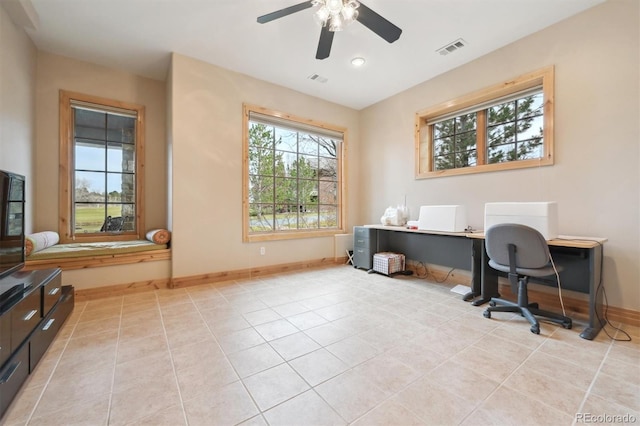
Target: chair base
{"x":529,"y":311}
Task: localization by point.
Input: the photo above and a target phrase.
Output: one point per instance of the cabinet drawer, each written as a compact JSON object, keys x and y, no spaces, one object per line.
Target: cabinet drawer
{"x":13,"y":375}
{"x":362,"y":232}
{"x":5,"y":338}
{"x":49,"y":327}
{"x":362,"y":258}
{"x":364,"y":237}
{"x":51,"y":292}
{"x":25,"y":316}
{"x":363,"y":242}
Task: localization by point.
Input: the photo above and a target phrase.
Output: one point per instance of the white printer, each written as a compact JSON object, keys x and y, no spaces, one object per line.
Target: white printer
{"x":542,"y":216}
{"x":447,"y":218}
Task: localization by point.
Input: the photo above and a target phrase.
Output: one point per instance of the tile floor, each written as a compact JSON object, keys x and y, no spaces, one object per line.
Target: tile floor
{"x":331,"y":346}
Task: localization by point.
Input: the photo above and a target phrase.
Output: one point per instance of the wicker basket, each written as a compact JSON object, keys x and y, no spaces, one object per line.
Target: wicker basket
{"x":388,"y":263}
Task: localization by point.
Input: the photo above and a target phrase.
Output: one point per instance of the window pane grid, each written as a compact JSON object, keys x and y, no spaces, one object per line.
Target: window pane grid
{"x":514,"y":131}
{"x":104,"y":172}
{"x":519,"y":132}
{"x":301,"y":168}
{"x":455,"y":142}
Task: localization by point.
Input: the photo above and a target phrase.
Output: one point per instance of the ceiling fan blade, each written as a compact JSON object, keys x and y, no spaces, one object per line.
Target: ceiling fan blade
{"x":284,"y":12}
{"x":324,"y":45}
{"x":378,"y":24}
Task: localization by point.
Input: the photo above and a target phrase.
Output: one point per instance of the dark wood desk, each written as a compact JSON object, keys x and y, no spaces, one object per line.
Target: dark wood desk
{"x":579,"y":258}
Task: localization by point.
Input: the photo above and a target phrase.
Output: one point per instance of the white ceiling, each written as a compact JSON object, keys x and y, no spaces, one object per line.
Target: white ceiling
{"x":138,"y":36}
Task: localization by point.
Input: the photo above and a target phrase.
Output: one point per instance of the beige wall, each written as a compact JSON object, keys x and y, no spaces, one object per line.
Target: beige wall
{"x":57,"y":73}
{"x":18,"y":107}
{"x":207,"y":168}
{"x":83,"y":279}
{"x":595,"y":179}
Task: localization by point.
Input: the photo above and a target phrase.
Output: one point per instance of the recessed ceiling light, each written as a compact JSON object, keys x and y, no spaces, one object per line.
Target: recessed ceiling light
{"x":357,"y":62}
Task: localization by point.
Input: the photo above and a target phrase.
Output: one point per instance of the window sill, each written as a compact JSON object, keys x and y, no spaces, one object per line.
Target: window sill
{"x":282,"y":235}
{"x":511,"y":165}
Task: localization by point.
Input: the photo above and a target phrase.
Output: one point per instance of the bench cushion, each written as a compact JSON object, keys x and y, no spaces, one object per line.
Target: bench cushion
{"x":73,"y":250}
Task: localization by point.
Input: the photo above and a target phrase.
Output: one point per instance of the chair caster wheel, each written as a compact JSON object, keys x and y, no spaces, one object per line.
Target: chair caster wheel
{"x":535,"y":329}
{"x":492,"y":303}
{"x":567,"y":325}
{"x":486,"y":314}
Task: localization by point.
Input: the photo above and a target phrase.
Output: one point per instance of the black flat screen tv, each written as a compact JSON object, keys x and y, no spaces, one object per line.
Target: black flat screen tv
{"x":12,"y":254}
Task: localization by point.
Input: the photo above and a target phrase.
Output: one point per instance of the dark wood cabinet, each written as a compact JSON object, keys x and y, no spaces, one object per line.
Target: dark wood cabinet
{"x":5,"y":338}
{"x":12,"y":376}
{"x":30,"y":318}
{"x":25,"y":316}
{"x":51,"y":291}
{"x":49,"y":327}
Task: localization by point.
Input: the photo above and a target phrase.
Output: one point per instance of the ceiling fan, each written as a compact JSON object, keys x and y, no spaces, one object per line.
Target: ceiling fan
{"x":333,"y":15}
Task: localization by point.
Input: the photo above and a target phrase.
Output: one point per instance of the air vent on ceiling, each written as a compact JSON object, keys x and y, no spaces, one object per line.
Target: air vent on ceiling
{"x":318,"y":78}
{"x":452,"y":47}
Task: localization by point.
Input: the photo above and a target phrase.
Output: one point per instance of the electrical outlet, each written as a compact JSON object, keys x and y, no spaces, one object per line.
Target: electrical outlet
{"x":262,"y":251}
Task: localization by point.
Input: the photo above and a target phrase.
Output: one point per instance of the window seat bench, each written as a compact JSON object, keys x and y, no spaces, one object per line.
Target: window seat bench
{"x":91,"y":255}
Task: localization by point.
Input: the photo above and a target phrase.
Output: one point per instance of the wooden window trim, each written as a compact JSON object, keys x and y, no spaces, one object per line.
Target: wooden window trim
{"x":66,"y":168}
{"x":424,"y":168}
{"x":289,"y":235}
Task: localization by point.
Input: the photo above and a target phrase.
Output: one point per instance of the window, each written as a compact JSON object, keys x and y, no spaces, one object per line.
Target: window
{"x":506,"y":126}
{"x":101,"y":154}
{"x":293,"y":186}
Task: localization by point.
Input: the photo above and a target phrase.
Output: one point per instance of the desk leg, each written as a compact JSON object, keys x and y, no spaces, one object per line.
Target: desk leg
{"x":476,"y":271}
{"x":489,"y":278}
{"x":596,"y":312}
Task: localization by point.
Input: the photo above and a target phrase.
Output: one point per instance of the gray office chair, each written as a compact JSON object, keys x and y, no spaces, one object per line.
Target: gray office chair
{"x":521,"y":252}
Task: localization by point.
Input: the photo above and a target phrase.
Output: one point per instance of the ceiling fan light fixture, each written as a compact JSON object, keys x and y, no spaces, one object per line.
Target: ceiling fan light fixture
{"x":350,"y":11}
{"x":335,"y":6}
{"x":336,"y":13}
{"x":336,"y":23}
{"x":322,"y":15}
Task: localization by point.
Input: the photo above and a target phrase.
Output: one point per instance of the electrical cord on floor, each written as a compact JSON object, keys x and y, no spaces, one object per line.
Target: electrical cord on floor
{"x":605,"y":320}
{"x":606,"y":304}
{"x":559,"y":285}
{"x":445,"y":278}
{"x":426,"y":271}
